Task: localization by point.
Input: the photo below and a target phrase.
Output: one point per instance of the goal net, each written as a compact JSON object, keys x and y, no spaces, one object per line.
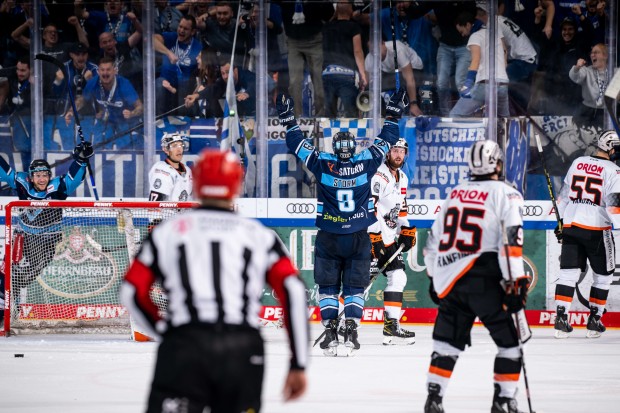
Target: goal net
{"x":65,"y":261}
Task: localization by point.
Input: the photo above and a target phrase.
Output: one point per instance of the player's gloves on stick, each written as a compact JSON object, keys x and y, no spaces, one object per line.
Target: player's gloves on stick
{"x":407,"y":237}
{"x":399,"y":101}
{"x":465,"y":91}
{"x":83,"y":151}
{"x":378,"y":249}
{"x":284,"y":106}
{"x":516,"y":295}
{"x":558,"y":231}
{"x":431,"y":291}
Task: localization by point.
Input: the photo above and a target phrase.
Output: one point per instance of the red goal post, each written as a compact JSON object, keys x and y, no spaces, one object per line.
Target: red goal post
{"x":65,"y":260}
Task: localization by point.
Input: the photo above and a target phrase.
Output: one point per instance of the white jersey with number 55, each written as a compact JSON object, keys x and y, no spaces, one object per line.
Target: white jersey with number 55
{"x":470,"y":223}
{"x":591,"y":189}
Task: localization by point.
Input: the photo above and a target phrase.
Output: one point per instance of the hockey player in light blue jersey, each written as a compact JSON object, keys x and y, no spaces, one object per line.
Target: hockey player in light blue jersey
{"x":345,"y":209}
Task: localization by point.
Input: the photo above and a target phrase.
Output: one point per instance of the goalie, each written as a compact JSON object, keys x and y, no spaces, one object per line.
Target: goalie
{"x":41,"y":231}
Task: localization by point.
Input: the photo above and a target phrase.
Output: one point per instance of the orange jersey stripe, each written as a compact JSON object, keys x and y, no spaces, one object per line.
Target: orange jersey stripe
{"x":458,"y":277}
{"x":515,"y":251}
{"x":440,"y":372}
{"x":597,"y":301}
{"x":585,"y":227}
{"x":506,"y":377}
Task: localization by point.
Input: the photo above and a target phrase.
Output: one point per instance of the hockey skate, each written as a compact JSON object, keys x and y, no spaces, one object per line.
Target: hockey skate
{"x":330,"y":342}
{"x":434,"y":402}
{"x":350,"y":337}
{"x":503,"y":404}
{"x":393,"y":334}
{"x":562,"y":327}
{"x":595,"y":326}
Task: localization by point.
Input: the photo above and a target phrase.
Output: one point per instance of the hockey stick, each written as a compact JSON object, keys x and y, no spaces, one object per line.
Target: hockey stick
{"x":372,"y":280}
{"x":61,"y":66}
{"x":392,"y":23}
{"x":549,"y":184}
{"x":520,"y":322}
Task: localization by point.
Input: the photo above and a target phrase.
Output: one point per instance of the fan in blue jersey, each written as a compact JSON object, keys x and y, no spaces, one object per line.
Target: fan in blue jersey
{"x":345,"y":209}
{"x":40,"y":230}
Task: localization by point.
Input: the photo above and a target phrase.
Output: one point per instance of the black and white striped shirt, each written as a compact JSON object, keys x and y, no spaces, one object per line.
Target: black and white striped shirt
{"x":213,"y":265}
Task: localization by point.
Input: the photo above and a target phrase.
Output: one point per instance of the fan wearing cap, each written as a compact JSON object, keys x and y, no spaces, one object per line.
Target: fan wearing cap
{"x":214,"y":264}
{"x":171,"y":179}
{"x":79,"y":70}
{"x":474,"y":258}
{"x":41,"y":231}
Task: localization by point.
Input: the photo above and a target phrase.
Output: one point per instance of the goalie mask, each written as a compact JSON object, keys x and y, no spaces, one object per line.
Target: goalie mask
{"x":607,"y":141}
{"x":484,"y":157}
{"x":343,"y":145}
{"x":169,"y":138}
{"x":217,"y":175}
{"x":39,"y":165}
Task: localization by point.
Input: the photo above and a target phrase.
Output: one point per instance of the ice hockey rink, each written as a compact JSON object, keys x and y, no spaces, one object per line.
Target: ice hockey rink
{"x":109,"y":373}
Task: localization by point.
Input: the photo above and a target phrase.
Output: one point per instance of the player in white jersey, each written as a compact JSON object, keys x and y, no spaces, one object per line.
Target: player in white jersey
{"x":213,"y":265}
{"x":591,"y":189}
{"x":470,"y":275}
{"x":389,"y":190}
{"x":171,"y":179}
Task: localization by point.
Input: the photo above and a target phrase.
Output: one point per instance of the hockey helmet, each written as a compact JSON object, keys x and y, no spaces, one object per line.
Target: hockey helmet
{"x":39,"y":165}
{"x":343,"y":145}
{"x":169,"y":138}
{"x":483,"y":157}
{"x":402,"y":143}
{"x":217,"y":175}
{"x":608,"y":140}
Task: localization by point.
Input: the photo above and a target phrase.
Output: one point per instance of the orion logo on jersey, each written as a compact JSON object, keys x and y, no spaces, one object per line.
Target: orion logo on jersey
{"x":590,"y":168}
{"x":470,"y":197}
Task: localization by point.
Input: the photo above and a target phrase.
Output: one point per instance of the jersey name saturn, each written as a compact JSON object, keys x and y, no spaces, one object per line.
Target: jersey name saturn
{"x":351,"y":170}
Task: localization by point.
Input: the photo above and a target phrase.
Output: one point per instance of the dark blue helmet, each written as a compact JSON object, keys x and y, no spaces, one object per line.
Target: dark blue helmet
{"x":343,"y":145}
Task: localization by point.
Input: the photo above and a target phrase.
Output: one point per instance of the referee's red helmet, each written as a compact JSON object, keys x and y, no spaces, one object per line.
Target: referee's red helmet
{"x":217,"y":175}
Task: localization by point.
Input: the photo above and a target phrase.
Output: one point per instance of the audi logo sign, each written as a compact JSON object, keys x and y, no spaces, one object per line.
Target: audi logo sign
{"x":532,"y":211}
{"x":300,"y":208}
{"x":417,"y":209}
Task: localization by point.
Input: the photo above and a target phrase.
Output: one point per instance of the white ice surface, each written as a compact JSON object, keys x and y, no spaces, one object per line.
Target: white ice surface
{"x":101,"y":374}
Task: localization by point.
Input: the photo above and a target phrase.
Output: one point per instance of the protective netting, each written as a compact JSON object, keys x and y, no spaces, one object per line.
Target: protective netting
{"x":67,"y":261}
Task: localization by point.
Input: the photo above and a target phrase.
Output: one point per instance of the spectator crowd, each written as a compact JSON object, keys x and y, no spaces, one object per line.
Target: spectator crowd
{"x":551,"y":58}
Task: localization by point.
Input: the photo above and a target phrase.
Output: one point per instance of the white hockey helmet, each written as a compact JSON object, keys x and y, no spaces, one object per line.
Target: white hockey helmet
{"x":483,"y":157}
{"x":169,"y":138}
{"x":402,"y":143}
{"x":608,"y":140}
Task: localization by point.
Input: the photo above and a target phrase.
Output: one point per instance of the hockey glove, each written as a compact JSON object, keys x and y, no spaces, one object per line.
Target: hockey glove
{"x":378,"y":250}
{"x":407,"y":237}
{"x":516,"y":295}
{"x":284,"y":106}
{"x":465,"y":91}
{"x":83,"y":151}
{"x":431,"y":291}
{"x":397,"y":104}
{"x":558,"y":231}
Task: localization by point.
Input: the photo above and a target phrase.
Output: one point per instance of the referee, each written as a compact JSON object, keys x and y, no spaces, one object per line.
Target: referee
{"x":213,"y":265}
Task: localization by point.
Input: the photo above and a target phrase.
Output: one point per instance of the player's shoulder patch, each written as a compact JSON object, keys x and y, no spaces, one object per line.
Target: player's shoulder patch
{"x":382,"y":175}
{"x":157,"y":183}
